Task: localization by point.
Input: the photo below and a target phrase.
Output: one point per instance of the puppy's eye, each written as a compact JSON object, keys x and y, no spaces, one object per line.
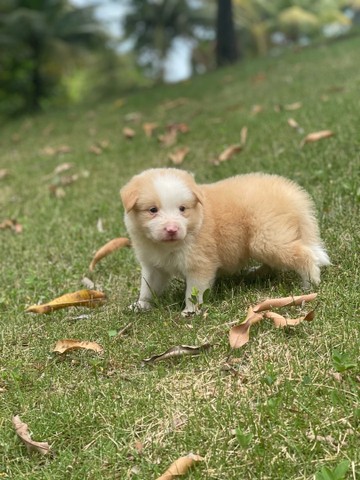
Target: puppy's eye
{"x":153,"y":210}
{"x":182,"y":208}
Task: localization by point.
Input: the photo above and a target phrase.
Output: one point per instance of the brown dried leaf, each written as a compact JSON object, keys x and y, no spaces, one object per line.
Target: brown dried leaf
{"x":239,"y":334}
{"x":280,"y":321}
{"x":316,"y":136}
{"x":179,"y":127}
{"x":95,"y":149}
{"x":63,"y":346}
{"x":180,"y":466}
{"x":51,"y":151}
{"x":22,"y":431}
{"x":108,"y":248}
{"x":149,"y":128}
{"x":169,"y":138}
{"x":229,"y":152}
{"x":63,"y":167}
{"x":58,"y":192}
{"x":255,"y":109}
{"x":293,"y":106}
{"x":128,"y":133}
{"x":293,"y":124}
{"x":178,"y":351}
{"x":284,"y":302}
{"x":81,"y":298}
{"x":243,"y":136}
{"x":4,"y":172}
{"x":177,"y":157}
{"x":11,"y":224}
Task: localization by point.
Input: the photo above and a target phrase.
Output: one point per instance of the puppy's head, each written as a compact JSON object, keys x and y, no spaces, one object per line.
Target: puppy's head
{"x":162,"y":204}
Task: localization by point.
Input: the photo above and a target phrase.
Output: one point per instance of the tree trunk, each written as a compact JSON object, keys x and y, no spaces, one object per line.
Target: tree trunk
{"x":226,"y":47}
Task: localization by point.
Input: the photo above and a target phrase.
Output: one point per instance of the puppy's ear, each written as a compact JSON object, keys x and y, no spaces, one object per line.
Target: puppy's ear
{"x":198,"y":194}
{"x":129,"y":196}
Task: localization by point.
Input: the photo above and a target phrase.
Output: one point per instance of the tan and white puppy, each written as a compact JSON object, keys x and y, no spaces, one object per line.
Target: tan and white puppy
{"x":179,"y":228}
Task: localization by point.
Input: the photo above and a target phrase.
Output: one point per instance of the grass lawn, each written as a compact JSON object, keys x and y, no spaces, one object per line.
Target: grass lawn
{"x":284,"y":406}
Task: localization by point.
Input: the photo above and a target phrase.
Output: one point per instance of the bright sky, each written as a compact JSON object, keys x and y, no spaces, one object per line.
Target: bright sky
{"x":111,"y":13}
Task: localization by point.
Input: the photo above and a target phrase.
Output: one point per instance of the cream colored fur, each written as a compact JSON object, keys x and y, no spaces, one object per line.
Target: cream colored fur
{"x":179,"y":228}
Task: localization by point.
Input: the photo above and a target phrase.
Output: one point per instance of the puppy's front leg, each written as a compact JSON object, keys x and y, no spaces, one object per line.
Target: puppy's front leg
{"x":153,"y":282}
{"x":200,"y":283}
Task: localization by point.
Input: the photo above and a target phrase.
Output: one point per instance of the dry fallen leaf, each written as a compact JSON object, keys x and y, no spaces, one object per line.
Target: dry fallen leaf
{"x":108,"y":248}
{"x":179,"y":127}
{"x":284,"y":302}
{"x":63,"y":167}
{"x":280,"y":321}
{"x":255,"y":109}
{"x":180,"y":466}
{"x":133,"y":117}
{"x":316,"y":136}
{"x":63,"y":346}
{"x":51,"y":151}
{"x":168,"y":138}
{"x":4,"y":172}
{"x":149,"y":128}
{"x":178,"y":351}
{"x":11,"y":224}
{"x":178,"y":156}
{"x":293,"y":106}
{"x":22,"y":431}
{"x":100,"y":226}
{"x":128,"y":133}
{"x":229,"y":152}
{"x":81,"y":298}
{"x":239,"y":334}
{"x":243,"y":136}
{"x":95,"y":149}
{"x":293,"y":124}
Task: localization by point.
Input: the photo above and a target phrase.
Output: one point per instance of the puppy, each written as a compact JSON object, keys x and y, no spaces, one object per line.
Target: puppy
{"x":199,"y":231}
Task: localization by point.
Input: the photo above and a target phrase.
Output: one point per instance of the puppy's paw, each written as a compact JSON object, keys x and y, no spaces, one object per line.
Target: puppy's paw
{"x":140,"y":306}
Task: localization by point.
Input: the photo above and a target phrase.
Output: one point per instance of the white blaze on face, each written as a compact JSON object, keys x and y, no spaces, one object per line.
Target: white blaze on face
{"x":169,"y":223}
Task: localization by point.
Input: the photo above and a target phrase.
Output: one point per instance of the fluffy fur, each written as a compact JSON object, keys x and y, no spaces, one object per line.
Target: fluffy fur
{"x":179,"y":228}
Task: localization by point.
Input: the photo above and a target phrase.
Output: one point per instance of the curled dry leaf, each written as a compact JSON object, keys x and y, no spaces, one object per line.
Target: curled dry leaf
{"x":149,"y":128}
{"x":178,"y":351}
{"x":51,"y":151}
{"x":255,"y":109}
{"x":95,"y":149}
{"x":108,"y":248}
{"x":239,"y":335}
{"x":63,"y":167}
{"x":180,"y":466}
{"x":293,"y":124}
{"x":179,"y":127}
{"x":63,"y":346}
{"x":284,"y":302}
{"x":3,"y":173}
{"x":229,"y":152}
{"x":316,"y":136}
{"x":177,"y":157}
{"x":280,"y":321}
{"x":81,"y":298}
{"x":169,"y":138}
{"x":11,"y":224}
{"x":243,"y":136}
{"x":293,"y":106}
{"x":128,"y":133}
{"x":22,"y":431}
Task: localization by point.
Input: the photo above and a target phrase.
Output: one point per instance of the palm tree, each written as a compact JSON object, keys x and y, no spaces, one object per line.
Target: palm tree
{"x":226,"y":45}
{"x":36,"y":39}
{"x":152,"y":26}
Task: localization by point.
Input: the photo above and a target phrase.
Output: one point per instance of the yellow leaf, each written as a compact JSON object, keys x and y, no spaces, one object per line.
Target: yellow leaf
{"x":229,"y":152}
{"x":22,"y":431}
{"x":81,"y":298}
{"x":316,"y":136}
{"x":178,"y":156}
{"x":180,"y":466}
{"x":108,"y":248}
{"x":67,"y":344}
{"x":128,"y":133}
{"x":149,"y":128}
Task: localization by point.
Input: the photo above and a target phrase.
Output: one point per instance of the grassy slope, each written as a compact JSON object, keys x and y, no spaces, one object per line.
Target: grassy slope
{"x":93,"y":409}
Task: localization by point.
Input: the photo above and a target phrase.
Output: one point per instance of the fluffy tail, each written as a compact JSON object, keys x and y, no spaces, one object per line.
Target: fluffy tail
{"x":321,"y":258}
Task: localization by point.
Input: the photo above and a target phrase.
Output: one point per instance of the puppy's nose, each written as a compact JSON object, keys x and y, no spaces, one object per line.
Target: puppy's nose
{"x":172,"y":229}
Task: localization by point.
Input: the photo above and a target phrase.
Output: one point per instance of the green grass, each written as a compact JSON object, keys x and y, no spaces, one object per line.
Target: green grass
{"x":254,"y":419}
